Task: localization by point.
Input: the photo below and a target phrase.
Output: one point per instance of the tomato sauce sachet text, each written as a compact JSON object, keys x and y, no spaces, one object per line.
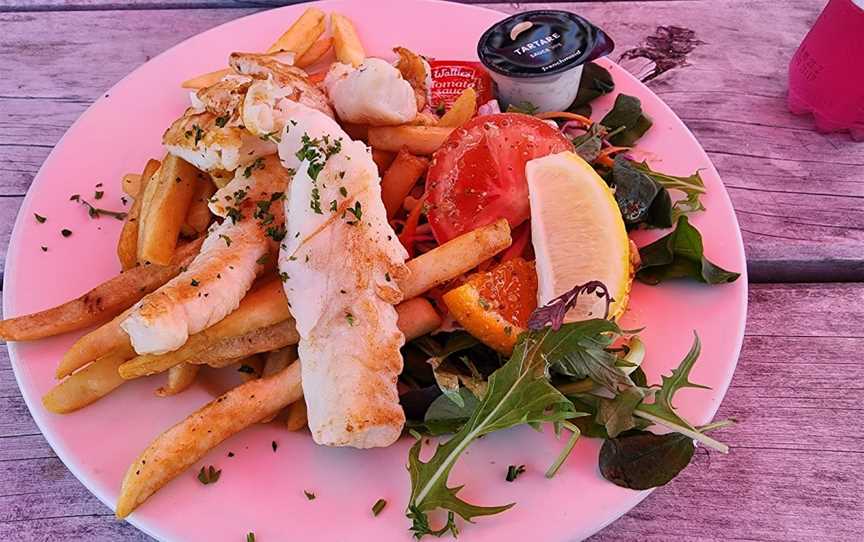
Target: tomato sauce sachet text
{"x":451,"y":77}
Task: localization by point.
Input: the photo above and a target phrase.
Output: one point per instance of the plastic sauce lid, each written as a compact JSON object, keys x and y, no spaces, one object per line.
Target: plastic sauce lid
{"x":540,"y":43}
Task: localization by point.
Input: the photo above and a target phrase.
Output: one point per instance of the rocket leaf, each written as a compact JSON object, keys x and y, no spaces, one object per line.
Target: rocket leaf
{"x":518,"y":393}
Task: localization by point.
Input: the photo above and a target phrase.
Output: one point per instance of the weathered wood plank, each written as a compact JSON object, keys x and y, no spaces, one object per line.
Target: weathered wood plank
{"x":794,"y":396}
{"x":85,"y":527}
{"x":797,"y":192}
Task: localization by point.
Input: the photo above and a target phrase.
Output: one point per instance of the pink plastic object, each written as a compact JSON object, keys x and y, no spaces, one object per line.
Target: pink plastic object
{"x":826,"y":75}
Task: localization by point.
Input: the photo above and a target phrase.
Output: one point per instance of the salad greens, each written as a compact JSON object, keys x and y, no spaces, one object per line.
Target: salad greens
{"x":680,"y":255}
{"x":518,"y":393}
{"x":596,"y":81}
{"x":627,"y":117}
{"x":575,"y":376}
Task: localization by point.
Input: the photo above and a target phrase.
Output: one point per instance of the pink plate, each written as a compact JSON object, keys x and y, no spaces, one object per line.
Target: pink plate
{"x":260,"y":490}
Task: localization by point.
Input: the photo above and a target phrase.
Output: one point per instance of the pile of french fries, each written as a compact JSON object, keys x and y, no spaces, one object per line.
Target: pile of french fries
{"x":163,"y":232}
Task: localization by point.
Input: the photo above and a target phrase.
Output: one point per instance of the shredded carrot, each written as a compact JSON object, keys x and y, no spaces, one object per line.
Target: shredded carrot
{"x":409,"y":232}
{"x":565,"y":115}
{"x":605,"y":159}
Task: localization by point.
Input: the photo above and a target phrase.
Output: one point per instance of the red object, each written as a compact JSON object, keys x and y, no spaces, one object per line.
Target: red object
{"x":451,"y":77}
{"x":826,"y":75}
{"x":478,"y":174}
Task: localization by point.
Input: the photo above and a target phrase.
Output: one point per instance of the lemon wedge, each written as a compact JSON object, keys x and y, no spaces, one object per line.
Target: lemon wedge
{"x":578,"y":234}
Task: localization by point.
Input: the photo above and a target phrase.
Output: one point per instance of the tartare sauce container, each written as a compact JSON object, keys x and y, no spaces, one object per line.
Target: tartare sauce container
{"x":537,"y":56}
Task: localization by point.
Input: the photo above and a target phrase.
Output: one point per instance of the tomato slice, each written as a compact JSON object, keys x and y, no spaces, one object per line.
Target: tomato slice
{"x":478,"y":174}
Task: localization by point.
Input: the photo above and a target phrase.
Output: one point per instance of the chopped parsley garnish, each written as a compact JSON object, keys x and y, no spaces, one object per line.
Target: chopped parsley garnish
{"x":98,"y":194}
{"x":284,"y":276}
{"x":350,"y":318}
{"x":316,"y":152}
{"x":222,"y":121}
{"x":39,"y":218}
{"x":357,"y":211}
{"x":234,"y":214}
{"x":275,"y":445}
{"x":230,"y":454}
{"x":209,"y":475}
{"x":343,"y":190}
{"x":333,"y":206}
{"x":272,"y":136}
{"x":248,"y":369}
{"x":96,"y":212}
{"x":309,"y":495}
{"x":65,"y":233}
{"x":257,"y":164}
{"x":378,"y":507}
{"x":263,"y":259}
{"x":342,"y":176}
{"x":315,"y":203}
{"x":387,"y":277}
{"x":277,"y":233}
{"x":123,"y":200}
{"x":194,"y":283}
{"x":226,"y":239}
{"x":513,"y":472}
{"x":250,"y":537}
{"x":199,"y":133}
{"x":440,"y":109}
{"x":44,"y":249}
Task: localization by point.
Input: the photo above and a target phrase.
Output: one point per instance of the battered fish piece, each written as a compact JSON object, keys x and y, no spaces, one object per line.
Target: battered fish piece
{"x":341,"y":260}
{"x":217,"y":279}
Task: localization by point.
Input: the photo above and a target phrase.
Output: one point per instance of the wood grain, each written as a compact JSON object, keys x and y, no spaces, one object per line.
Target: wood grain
{"x":797,"y":450}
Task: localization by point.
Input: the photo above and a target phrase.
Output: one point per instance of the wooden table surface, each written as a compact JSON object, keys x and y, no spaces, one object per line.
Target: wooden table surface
{"x":795,"y":471}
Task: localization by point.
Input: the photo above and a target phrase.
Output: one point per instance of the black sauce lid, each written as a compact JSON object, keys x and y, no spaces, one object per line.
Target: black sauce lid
{"x":551,"y":42}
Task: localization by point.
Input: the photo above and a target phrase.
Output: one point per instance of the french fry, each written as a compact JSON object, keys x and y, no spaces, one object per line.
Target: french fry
{"x":131,"y":184}
{"x":400,"y":178}
{"x":180,"y":447}
{"x":228,"y":351}
{"x":345,"y":40}
{"x":198,"y":217}
{"x":295,"y":415}
{"x":135,"y":284}
{"x":252,"y":368}
{"x":98,"y":305}
{"x":315,"y":53}
{"x":417,"y":317}
{"x":180,"y":377}
{"x":87,"y":385}
{"x":263,"y":306}
{"x":127,"y":245}
{"x":205,"y":80}
{"x":302,"y":34}
{"x":382,"y":159}
{"x":455,"y":257}
{"x":276,"y":361}
{"x":415,"y":139}
{"x":358,"y":132}
{"x":462,"y":109}
{"x":162,"y":216}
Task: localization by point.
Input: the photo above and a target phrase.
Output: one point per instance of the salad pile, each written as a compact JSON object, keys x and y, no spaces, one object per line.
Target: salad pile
{"x":506,"y":361}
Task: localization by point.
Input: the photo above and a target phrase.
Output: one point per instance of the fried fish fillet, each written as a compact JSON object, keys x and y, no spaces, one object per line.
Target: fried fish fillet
{"x":341,"y":260}
{"x":215,"y":281}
